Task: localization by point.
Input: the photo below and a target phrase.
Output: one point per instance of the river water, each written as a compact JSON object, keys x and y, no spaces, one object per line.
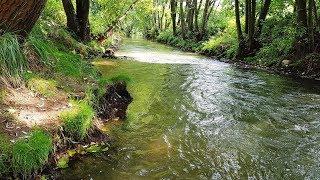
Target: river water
{"x":198,"y":118}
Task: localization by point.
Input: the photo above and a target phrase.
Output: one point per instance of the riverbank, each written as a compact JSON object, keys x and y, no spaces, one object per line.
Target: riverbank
{"x":223,"y":47}
{"x":52,"y":100}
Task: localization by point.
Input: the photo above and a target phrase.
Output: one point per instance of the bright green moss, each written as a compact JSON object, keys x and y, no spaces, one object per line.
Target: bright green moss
{"x":32,"y":153}
{"x":78,"y":120}
{"x":44,"y":87}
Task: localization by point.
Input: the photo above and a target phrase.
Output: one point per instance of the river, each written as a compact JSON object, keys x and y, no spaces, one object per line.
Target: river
{"x":197,"y":118}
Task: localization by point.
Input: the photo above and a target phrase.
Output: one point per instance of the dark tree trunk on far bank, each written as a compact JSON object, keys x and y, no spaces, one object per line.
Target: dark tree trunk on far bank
{"x":72,"y":23}
{"x":19,"y":16}
{"x":83,"y":19}
{"x":78,"y":20}
{"x":173,"y":4}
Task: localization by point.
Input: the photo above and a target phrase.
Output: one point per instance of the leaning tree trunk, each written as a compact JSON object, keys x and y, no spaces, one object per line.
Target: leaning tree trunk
{"x":19,"y":16}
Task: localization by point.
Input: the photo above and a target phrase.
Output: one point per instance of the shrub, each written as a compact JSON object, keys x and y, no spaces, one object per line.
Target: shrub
{"x":222,"y":44}
{"x":277,"y":40}
{"x":32,"y":153}
{"x":78,"y":120}
{"x":167,"y":37}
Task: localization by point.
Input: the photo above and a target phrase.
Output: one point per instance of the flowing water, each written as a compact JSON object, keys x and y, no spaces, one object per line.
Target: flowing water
{"x":198,"y":118}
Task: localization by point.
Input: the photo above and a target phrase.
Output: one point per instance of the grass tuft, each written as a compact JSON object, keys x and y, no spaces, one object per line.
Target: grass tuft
{"x":5,"y":152}
{"x":32,"y":153}
{"x":78,"y":120}
{"x":12,"y":60}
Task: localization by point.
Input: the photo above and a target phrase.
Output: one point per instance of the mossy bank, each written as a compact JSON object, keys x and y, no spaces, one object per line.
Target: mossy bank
{"x":49,"y":92}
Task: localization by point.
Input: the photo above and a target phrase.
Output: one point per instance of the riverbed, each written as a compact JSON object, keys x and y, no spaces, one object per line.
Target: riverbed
{"x":198,"y":118}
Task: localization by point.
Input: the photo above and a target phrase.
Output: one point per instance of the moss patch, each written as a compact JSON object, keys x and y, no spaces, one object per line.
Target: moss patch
{"x":78,"y":120}
{"x":44,"y":87}
{"x":32,"y":153}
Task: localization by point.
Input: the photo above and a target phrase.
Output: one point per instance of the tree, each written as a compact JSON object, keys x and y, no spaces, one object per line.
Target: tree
{"x":208,"y":8}
{"x":78,"y":20}
{"x":253,"y":27}
{"x":19,"y":16}
{"x":173,"y":6}
{"x":306,"y":27}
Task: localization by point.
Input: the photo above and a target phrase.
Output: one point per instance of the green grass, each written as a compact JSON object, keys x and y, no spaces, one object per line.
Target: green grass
{"x":61,"y":53}
{"x":12,"y":60}
{"x":78,"y":120}
{"x":120,"y":77}
{"x":32,"y":153}
{"x":5,"y":153}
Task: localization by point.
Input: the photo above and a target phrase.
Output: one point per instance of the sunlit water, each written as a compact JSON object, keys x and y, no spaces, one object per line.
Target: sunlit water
{"x":197,"y":118}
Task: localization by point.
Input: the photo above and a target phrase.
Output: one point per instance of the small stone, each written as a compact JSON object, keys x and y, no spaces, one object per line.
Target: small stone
{"x":12,"y":111}
{"x":286,"y":62}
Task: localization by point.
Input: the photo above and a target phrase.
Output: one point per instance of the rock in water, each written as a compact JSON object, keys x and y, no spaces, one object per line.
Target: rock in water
{"x":109,"y":53}
{"x":114,"y":103}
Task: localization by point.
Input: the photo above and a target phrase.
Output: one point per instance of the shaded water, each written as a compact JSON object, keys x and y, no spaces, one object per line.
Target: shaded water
{"x":197,"y":118}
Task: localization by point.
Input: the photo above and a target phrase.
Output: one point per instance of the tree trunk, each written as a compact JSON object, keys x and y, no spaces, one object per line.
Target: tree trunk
{"x":311,"y":25}
{"x":262,"y":17}
{"x":162,"y":16}
{"x":72,"y":23}
{"x":301,"y":13}
{"x":189,"y":17}
{"x":239,"y":31}
{"x":173,"y":4}
{"x":301,"y":45}
{"x":252,"y":19}
{"x":182,"y":20}
{"x":315,"y":11}
{"x":204,"y":18}
{"x":247,"y":14}
{"x":83,"y":19}
{"x":196,"y":16}
{"x":19,"y":16}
